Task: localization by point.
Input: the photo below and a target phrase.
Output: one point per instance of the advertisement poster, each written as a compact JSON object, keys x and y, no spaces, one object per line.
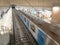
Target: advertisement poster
{"x":22,"y":17}
{"x":28,"y":23}
{"x":25,"y":19}
{"x":41,"y":37}
{"x":32,"y":27}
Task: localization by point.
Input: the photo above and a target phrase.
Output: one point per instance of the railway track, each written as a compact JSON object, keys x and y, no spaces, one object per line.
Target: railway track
{"x":21,"y":35}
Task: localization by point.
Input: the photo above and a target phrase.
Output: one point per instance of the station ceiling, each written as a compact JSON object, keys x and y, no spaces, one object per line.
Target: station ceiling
{"x":31,"y":3}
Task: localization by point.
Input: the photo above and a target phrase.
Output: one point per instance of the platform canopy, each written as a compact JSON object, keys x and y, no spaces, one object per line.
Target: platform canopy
{"x":31,"y":3}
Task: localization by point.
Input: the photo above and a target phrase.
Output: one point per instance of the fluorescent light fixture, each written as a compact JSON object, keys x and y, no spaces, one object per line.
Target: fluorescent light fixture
{"x":56,"y":9}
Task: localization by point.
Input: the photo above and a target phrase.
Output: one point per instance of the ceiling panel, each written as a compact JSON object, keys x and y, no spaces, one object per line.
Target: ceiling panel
{"x":32,"y":3}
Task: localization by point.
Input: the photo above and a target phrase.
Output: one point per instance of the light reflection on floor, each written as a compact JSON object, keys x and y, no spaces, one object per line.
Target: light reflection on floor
{"x":6,"y":22}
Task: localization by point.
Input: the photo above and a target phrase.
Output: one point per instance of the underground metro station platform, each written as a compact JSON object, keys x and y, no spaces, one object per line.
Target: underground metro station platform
{"x":29,"y":22}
